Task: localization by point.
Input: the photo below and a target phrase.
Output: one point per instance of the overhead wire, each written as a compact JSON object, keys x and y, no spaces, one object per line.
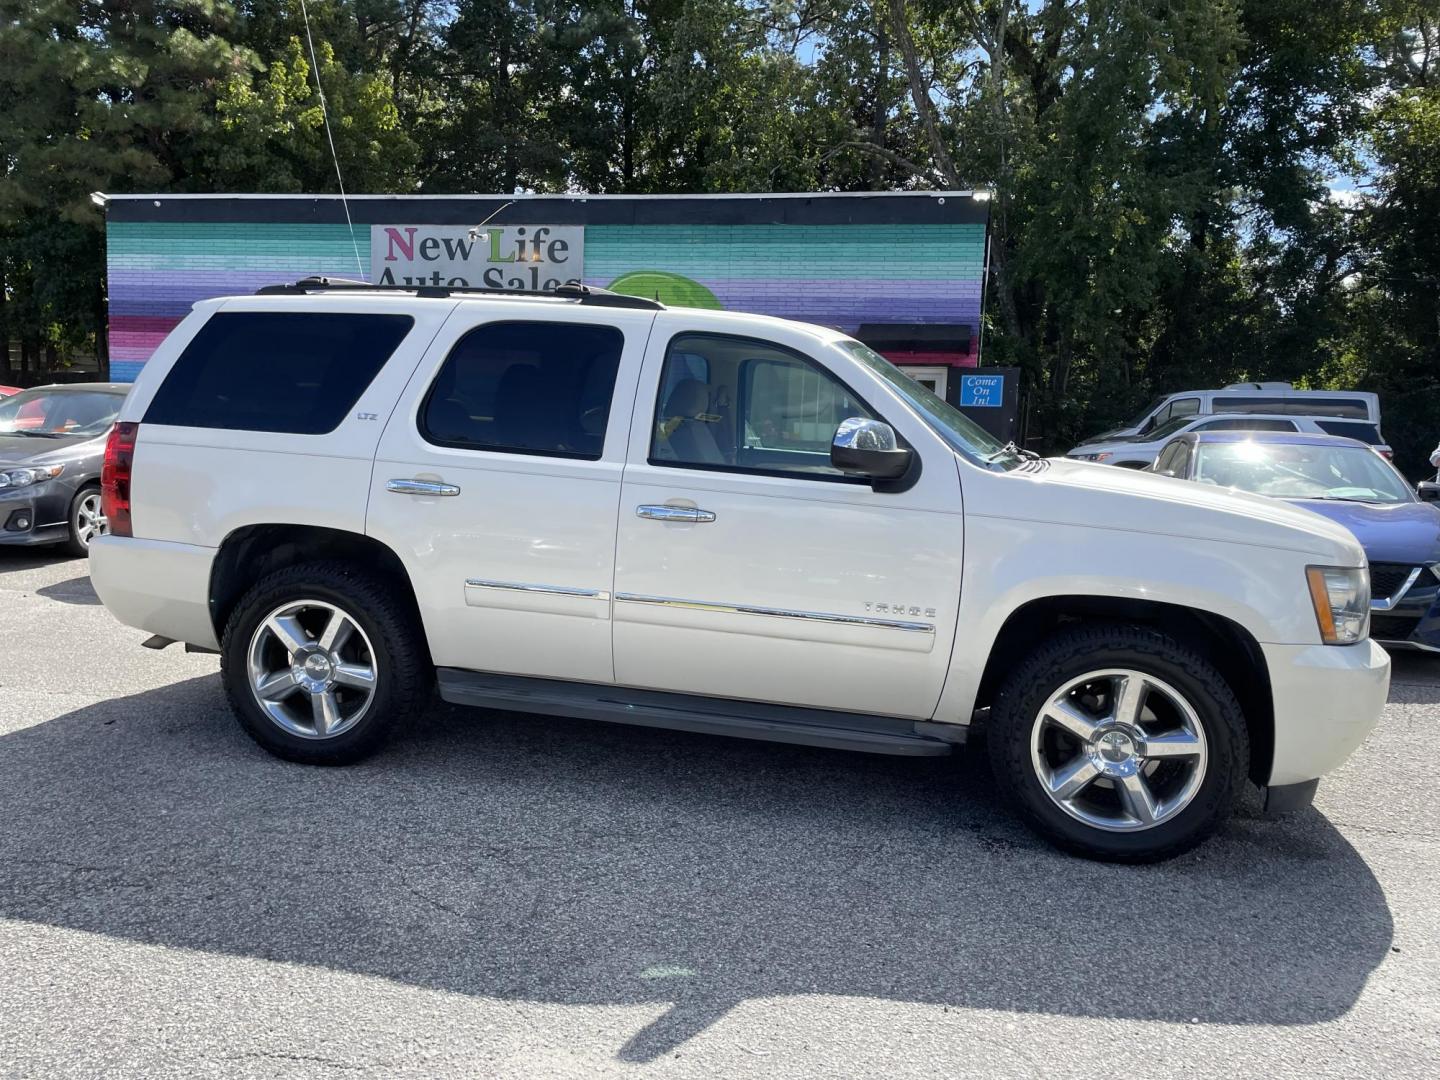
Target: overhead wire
{"x":325,"y":116}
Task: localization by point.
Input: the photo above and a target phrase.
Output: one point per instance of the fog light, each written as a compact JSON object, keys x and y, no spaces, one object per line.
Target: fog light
{"x":19,"y":521}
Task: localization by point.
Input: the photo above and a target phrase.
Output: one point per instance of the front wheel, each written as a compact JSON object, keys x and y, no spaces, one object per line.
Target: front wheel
{"x":320,"y":660}
{"x":1118,"y":743}
{"x":87,"y":521}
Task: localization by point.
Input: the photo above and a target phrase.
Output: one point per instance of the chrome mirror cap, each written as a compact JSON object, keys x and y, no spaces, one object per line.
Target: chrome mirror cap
{"x":868,"y":448}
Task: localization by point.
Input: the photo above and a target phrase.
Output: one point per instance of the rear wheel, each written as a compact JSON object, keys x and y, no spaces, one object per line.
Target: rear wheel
{"x":320,"y":660}
{"x":1118,"y":743}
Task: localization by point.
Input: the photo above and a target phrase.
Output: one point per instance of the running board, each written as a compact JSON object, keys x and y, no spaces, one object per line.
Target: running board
{"x":710,"y":716}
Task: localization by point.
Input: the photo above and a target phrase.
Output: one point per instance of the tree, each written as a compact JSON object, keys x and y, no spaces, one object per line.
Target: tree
{"x":272,"y":132}
{"x":94,"y":96}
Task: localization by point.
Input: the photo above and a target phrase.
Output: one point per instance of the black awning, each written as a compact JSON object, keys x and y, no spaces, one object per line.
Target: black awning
{"x":916,"y":337}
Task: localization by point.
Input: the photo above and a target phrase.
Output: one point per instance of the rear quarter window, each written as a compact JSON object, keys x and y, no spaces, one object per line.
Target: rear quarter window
{"x":292,"y":372}
{"x":1351,"y":429}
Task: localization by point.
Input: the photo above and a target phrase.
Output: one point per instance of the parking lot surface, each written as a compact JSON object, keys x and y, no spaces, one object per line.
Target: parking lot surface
{"x":504,"y":895}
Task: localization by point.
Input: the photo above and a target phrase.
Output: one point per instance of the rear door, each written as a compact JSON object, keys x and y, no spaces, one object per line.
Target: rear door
{"x":498,"y":480}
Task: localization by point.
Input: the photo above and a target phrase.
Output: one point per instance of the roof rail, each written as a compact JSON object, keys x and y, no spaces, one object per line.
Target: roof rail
{"x":585,"y":294}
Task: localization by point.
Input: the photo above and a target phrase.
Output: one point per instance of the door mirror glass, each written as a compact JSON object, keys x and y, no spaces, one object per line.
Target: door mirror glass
{"x":868,"y":448}
{"x":1429,"y":491}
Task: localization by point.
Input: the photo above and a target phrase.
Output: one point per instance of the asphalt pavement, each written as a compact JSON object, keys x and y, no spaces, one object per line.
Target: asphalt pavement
{"x":500,"y":895}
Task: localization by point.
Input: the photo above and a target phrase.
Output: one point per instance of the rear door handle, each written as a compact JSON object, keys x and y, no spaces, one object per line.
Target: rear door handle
{"x":421,"y":487}
{"x":690,"y":514}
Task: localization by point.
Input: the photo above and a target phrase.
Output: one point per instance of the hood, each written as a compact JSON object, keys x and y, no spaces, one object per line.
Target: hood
{"x":1394,"y":532}
{"x":1084,"y":493}
{"x":17,"y":449}
{"x":1110,"y":441}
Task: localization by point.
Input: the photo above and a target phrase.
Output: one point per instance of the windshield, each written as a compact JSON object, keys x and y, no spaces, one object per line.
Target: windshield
{"x":1301,"y":471}
{"x":50,"y":413}
{"x":949,"y":423}
{"x":1164,"y":430}
{"x":1153,"y":404}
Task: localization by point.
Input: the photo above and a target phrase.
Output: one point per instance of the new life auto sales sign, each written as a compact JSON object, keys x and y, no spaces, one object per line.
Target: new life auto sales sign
{"x":527,"y":257}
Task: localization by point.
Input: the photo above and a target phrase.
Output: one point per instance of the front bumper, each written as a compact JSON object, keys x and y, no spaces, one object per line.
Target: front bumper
{"x":1327,"y":699}
{"x":1414,"y":621}
{"x":44,"y":510}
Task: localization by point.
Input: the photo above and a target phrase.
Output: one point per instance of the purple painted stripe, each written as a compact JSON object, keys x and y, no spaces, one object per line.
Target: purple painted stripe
{"x":171,"y":293}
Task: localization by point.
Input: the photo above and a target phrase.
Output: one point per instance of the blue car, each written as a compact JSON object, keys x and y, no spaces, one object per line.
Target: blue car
{"x":1348,"y":482}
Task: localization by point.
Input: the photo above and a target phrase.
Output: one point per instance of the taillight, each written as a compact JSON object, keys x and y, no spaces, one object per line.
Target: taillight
{"x":115,"y":478}
{"x":1388,"y":455}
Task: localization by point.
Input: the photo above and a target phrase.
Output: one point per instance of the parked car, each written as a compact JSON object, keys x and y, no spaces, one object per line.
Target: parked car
{"x":1140,"y":451}
{"x":8,"y":391}
{"x":592,"y":505}
{"x":1346,"y":481}
{"x":52,"y":443}
{"x":1275,"y":398}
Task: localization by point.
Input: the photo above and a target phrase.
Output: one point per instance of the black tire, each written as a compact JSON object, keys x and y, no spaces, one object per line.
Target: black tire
{"x":74,"y":543}
{"x":1076,"y":652}
{"x":400,"y":658}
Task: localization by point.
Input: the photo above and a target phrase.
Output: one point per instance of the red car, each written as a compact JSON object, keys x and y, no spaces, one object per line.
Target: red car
{"x":6,"y":391}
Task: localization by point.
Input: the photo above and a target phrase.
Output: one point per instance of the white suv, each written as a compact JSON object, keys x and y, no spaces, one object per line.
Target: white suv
{"x":591,"y":505}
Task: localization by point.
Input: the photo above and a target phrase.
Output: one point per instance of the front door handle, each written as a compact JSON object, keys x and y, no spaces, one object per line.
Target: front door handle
{"x":689,"y":514}
{"x":421,"y":487}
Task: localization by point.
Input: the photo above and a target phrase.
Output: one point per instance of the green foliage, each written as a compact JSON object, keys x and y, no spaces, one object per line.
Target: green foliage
{"x":272,"y":136}
{"x":1162,"y":216}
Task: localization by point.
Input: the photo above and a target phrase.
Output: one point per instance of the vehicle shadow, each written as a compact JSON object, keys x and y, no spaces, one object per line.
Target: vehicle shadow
{"x":76,"y":590}
{"x":1414,"y":678}
{"x":16,"y":559}
{"x":528,"y":858}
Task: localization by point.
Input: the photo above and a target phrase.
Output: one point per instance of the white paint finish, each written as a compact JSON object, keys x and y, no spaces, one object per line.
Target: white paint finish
{"x":192,"y":493}
{"x":1327,"y":699}
{"x":198,"y":485}
{"x":519,"y":519}
{"x":157,"y":586}
{"x":793,"y":544}
{"x":1076,"y":529}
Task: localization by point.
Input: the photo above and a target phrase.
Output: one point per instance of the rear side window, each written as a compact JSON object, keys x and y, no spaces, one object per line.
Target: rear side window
{"x":1245,"y":425}
{"x":1351,"y":430}
{"x":293,"y":372}
{"x":1293,"y":406}
{"x":526,"y":388}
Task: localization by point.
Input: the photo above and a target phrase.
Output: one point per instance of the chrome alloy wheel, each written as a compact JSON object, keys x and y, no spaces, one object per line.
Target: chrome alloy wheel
{"x":312,"y":669}
{"x":1119,"y":750}
{"x":90,"y":520}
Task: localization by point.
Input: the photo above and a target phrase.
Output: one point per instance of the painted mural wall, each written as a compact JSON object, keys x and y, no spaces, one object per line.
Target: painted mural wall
{"x":838,"y":275}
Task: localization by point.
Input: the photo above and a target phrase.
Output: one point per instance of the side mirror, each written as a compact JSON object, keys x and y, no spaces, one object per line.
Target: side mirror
{"x":868,"y":448}
{"x":1429,"y":491}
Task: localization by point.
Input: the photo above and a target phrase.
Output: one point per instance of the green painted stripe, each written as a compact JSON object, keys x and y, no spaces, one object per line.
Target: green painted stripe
{"x":719,"y":252}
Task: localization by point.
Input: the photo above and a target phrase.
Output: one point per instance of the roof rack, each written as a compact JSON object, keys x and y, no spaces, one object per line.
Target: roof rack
{"x":584,"y":294}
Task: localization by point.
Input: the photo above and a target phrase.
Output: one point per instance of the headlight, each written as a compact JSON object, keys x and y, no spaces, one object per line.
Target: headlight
{"x":1341,"y":595}
{"x":14,"y":478}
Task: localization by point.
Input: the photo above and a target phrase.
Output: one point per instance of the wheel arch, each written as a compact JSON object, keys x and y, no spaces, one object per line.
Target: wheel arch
{"x":252,"y":552}
{"x":1225,"y":643}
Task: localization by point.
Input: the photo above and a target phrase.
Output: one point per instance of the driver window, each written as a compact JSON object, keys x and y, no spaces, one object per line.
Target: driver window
{"x":739,"y":405}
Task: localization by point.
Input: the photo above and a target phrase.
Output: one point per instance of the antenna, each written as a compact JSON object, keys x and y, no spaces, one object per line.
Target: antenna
{"x":325,"y":116}
{"x":474,"y":233}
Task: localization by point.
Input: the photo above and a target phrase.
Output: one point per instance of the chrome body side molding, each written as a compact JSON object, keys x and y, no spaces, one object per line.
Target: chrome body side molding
{"x":548,"y":590}
{"x":778,"y":613}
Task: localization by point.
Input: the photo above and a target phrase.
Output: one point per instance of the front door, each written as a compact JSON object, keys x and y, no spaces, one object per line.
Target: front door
{"x":748,"y":567}
{"x":498,"y":479}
